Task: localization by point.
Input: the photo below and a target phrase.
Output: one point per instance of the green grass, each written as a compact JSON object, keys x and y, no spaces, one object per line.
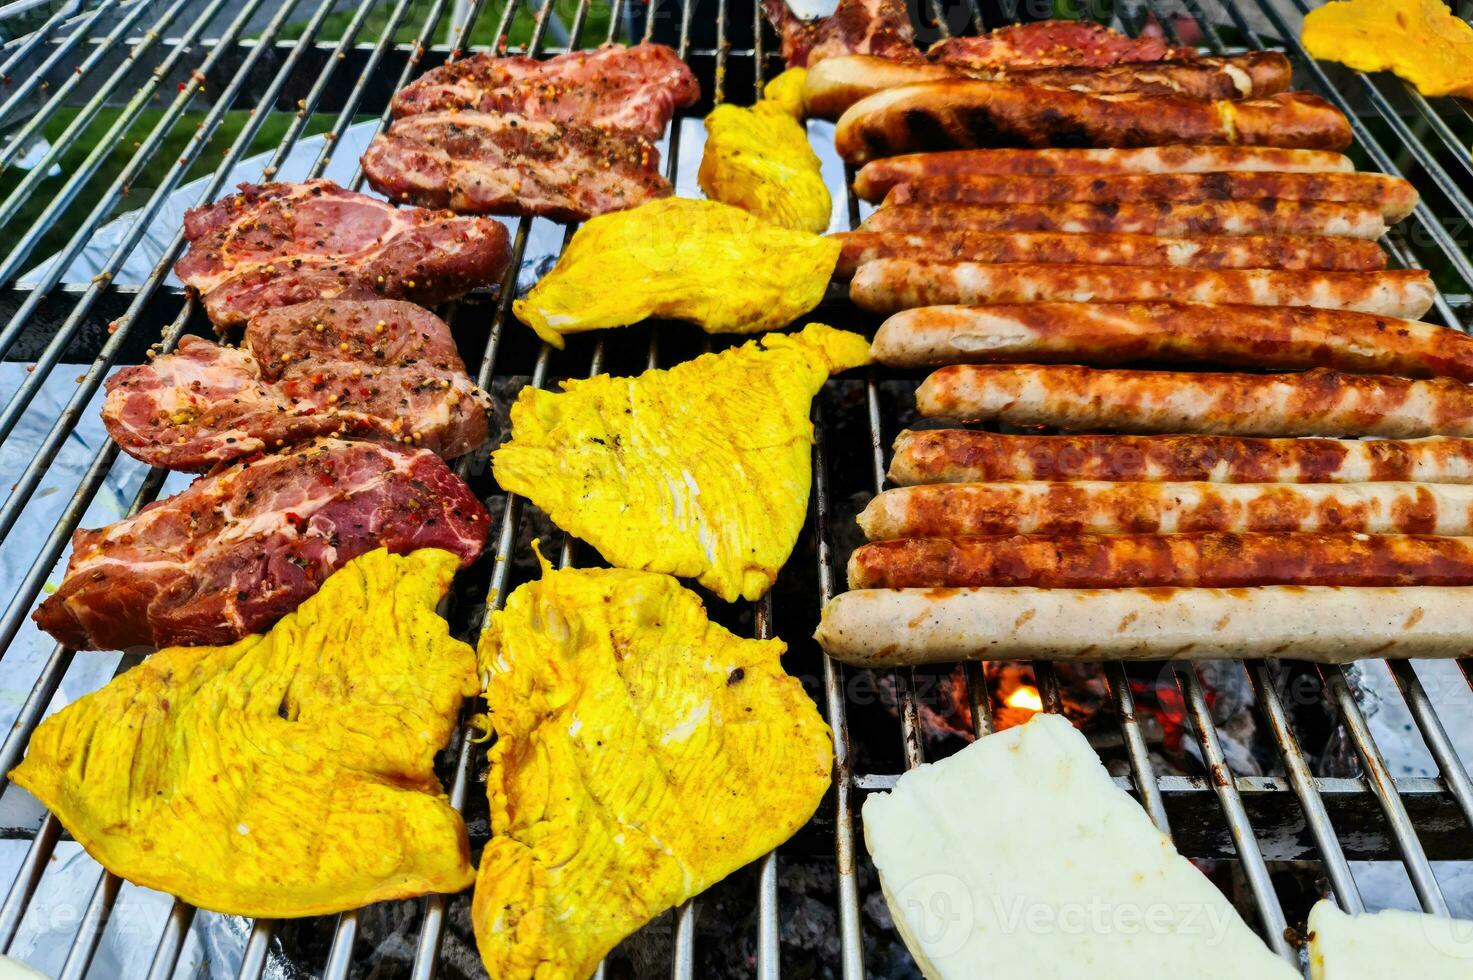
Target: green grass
{"x":172,"y":146}
{"x":483,"y":35}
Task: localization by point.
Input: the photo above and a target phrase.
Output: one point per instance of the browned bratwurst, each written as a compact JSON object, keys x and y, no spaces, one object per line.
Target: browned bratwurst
{"x":1271,"y":337}
{"x":876,"y":178}
{"x":835,"y":84}
{"x":892,"y":285}
{"x":1393,"y":197}
{"x":1180,"y":219}
{"x":949,"y":115}
{"x":1319,"y":402}
{"x":966,"y":455}
{"x":1288,"y":252}
{"x":940,"y":510}
{"x":1118,"y":561}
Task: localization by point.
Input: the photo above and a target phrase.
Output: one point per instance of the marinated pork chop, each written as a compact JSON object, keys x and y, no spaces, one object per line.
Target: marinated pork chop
{"x":1054,"y":44}
{"x":385,"y":371}
{"x":493,"y":163}
{"x":241,"y":548}
{"x":878,"y":27}
{"x":634,"y":89}
{"x":278,"y":244}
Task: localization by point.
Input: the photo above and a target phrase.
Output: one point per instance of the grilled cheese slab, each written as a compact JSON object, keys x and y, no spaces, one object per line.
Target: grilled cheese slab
{"x":1387,"y":944}
{"x":1019,"y":857}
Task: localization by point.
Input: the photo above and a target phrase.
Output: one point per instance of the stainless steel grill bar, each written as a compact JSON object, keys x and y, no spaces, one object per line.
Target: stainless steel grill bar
{"x":67,"y":420}
{"x":1414,"y":857}
{"x":370,"y":69}
{"x":1250,"y":856}
{"x":19,"y":140}
{"x":86,"y":940}
{"x":12,"y":912}
{"x":1145,"y":783}
{"x":340,"y":957}
{"x":979,"y":701}
{"x":1392,"y":242}
{"x":1296,"y":766}
{"x":836,"y":707}
{"x":94,"y":920}
{"x":171,"y":941}
{"x":1142,"y":774}
{"x":1049,"y":690}
{"x":1423,"y":155}
{"x":905,"y":685}
{"x":1434,"y":735}
{"x":769,"y":926}
{"x":1433,"y":118}
{"x":11,"y":265}
{"x":683,"y":952}
{"x":257,"y":951}
{"x":1419,"y":869}
{"x":1423,"y":213}
{"x":37,"y":38}
{"x":1267,"y":692}
{"x":32,"y":867}
{"x":110,"y":139}
{"x":417,"y":50}
{"x":62,"y":338}
{"x":428,"y":949}
{"x":21,"y":88}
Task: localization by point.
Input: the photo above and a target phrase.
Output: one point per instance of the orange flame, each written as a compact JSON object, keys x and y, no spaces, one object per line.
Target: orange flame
{"x":1024,"y":697}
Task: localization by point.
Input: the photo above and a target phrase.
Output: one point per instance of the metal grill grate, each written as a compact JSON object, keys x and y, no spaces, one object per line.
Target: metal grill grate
{"x":120,"y":60}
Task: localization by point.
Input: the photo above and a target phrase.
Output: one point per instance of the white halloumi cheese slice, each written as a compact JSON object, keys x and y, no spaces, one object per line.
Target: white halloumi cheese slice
{"x":1388,"y":944}
{"x":1019,"y":858}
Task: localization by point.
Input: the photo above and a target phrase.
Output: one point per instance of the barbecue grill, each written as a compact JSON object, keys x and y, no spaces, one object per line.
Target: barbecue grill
{"x":146,"y":86}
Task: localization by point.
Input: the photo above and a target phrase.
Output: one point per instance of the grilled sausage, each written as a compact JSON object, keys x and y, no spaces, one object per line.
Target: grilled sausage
{"x":964,"y":455}
{"x":953,"y":114}
{"x":941,"y":510}
{"x":1254,"y":75}
{"x":1167,"y":218}
{"x":835,"y":84}
{"x":1179,"y":333}
{"x":1319,"y":402}
{"x":875,"y":179}
{"x":1292,"y":252}
{"x":892,"y":285}
{"x":1209,"y":560}
{"x":877,"y":628}
{"x":1393,"y":197}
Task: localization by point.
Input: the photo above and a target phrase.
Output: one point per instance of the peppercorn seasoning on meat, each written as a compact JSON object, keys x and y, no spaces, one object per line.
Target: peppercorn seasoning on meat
{"x":701,"y":471}
{"x":642,"y":754}
{"x":700,"y":261}
{"x":759,"y":160}
{"x":288,"y":774}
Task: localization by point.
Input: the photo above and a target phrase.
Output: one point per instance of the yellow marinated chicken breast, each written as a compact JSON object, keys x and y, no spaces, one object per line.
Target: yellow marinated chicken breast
{"x":288,"y":774}
{"x":1423,"y":41}
{"x":759,"y":160}
{"x":642,"y":754}
{"x":787,"y":91}
{"x":700,"y":261}
{"x":701,"y":471}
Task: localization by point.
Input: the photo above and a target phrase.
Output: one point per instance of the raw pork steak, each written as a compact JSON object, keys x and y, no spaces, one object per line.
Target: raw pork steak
{"x":634,"y":89}
{"x":491,"y":163}
{"x":241,"y":548}
{"x":278,"y":244}
{"x":386,"y":371}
